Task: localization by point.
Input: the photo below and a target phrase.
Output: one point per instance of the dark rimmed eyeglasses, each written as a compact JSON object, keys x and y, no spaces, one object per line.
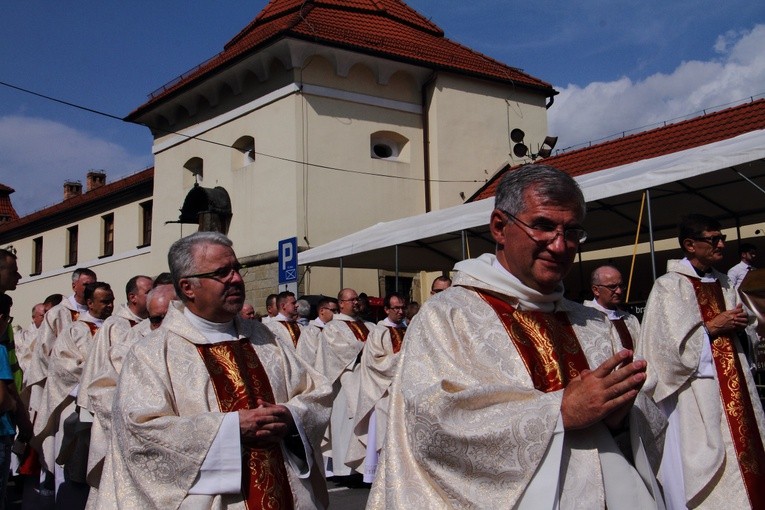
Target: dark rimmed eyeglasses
{"x":613,"y":287}
{"x":546,"y":233}
{"x":222,"y":274}
{"x":713,"y":240}
{"x":349,"y":300}
{"x":156,"y":319}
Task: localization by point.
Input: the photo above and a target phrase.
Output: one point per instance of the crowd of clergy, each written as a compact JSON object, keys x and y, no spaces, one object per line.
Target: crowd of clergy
{"x":497,"y":392}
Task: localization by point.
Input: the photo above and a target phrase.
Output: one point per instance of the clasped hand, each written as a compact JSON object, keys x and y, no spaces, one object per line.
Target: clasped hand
{"x":604,"y":394}
{"x":266,"y":425}
{"x":728,"y":321}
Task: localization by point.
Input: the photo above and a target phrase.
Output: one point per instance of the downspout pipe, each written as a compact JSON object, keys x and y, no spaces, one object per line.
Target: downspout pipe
{"x":426,"y":138}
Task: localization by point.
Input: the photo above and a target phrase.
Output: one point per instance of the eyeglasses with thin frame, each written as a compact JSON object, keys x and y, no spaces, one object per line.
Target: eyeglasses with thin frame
{"x":222,"y":274}
{"x":613,"y":287}
{"x":398,"y":308}
{"x":713,"y":240}
{"x":547,"y":233}
{"x":351,"y":300}
{"x":333,"y":310}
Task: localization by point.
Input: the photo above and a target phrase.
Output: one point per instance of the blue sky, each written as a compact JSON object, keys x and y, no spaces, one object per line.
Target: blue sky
{"x":619,"y":65}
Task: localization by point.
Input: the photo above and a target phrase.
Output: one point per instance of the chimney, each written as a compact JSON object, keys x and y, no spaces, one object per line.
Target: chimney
{"x":72,"y":189}
{"x":95,"y":179}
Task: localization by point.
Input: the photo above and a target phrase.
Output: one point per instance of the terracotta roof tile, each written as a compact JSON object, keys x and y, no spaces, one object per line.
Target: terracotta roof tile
{"x":386,"y":28}
{"x":97,"y":194}
{"x":683,"y":135}
{"x":7,"y":212}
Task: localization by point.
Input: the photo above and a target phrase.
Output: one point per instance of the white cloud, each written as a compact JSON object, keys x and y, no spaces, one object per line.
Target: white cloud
{"x":602,"y":109}
{"x":38,"y":155}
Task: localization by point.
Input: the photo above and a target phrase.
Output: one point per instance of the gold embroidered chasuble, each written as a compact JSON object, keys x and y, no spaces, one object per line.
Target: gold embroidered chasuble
{"x":671,"y":340}
{"x":467,"y":426}
{"x":168,"y":411}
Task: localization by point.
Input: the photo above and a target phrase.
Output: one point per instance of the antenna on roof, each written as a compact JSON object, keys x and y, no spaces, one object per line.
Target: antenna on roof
{"x":521,"y":150}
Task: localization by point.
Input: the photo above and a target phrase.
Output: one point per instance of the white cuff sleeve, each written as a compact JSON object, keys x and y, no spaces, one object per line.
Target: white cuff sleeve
{"x":221,"y":471}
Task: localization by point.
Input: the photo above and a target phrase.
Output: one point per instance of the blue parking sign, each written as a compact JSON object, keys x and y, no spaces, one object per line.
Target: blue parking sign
{"x":288,"y":260}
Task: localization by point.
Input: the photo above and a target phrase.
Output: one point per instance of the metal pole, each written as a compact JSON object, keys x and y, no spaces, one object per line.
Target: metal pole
{"x":341,"y":273}
{"x":464,"y":243}
{"x":396,"y":268}
{"x":650,"y":233}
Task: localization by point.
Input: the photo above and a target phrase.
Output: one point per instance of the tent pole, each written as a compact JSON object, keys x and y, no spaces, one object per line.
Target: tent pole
{"x":341,"y":273}
{"x":462,"y":235}
{"x":396,"y":268}
{"x":650,"y":233}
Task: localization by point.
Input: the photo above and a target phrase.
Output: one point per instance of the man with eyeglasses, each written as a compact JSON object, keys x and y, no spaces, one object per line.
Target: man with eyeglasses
{"x":713,"y":456}
{"x":338,"y":359}
{"x":378,"y":363}
{"x":608,"y":293}
{"x":508,"y":395}
{"x":326,"y":309}
{"x":284,"y":325}
{"x":212,"y":411}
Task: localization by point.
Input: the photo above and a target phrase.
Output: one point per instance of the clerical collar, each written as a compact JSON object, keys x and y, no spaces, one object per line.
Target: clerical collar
{"x":77,"y":306}
{"x":213,"y":331}
{"x":282,"y":318}
{"x":86,"y":317}
{"x":705,"y":277}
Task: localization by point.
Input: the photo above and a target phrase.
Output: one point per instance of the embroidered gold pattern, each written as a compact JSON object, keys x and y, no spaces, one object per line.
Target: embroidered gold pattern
{"x":736,"y":401}
{"x":294,"y":330}
{"x":397,"y":337}
{"x":239,"y":380}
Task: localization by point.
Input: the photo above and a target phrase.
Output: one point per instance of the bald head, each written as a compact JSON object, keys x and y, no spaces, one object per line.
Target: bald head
{"x":348,"y":302}
{"x":607,"y":287}
{"x":157,"y":303}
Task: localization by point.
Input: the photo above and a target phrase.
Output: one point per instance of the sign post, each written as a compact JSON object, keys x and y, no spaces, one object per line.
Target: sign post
{"x":288,"y":265}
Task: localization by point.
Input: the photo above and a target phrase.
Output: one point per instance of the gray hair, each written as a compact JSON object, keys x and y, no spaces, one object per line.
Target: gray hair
{"x":595,"y":276}
{"x":303,"y":308}
{"x":555,"y":186}
{"x":180,"y":257}
{"x":83,"y":271}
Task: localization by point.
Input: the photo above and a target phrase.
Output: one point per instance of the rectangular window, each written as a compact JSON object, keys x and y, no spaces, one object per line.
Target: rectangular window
{"x":38,"y":255}
{"x":108,"y":235}
{"x":72,"y":239}
{"x":146,"y":212}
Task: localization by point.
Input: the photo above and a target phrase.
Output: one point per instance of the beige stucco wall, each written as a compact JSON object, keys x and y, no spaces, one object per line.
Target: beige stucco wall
{"x":127,"y":260}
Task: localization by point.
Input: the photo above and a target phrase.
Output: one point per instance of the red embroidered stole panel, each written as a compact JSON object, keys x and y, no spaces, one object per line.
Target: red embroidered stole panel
{"x":360,"y":330}
{"x":239,"y":380}
{"x":293,"y":328}
{"x":396,"y":337}
{"x":624,"y":333}
{"x":545,"y":341}
{"x":736,"y":402}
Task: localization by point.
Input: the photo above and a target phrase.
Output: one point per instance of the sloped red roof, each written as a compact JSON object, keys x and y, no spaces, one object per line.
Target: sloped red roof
{"x":99,"y":194}
{"x":695,"y":132}
{"x":6,"y":207}
{"x":386,"y":28}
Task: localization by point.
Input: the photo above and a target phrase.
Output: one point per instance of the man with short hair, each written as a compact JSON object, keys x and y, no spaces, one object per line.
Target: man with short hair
{"x":608,"y":293}
{"x":248,"y":312}
{"x":67,"y":359}
{"x":713,"y":456}
{"x":9,"y":271}
{"x":311,"y":335}
{"x":271,"y":309}
{"x":440,"y":284}
{"x":114,"y":330}
{"x":284,"y":324}
{"x":338,"y":358}
{"x":747,"y":253}
{"x":376,"y":369}
{"x":25,"y":339}
{"x":212,"y":411}
{"x":508,"y":395}
{"x":56,"y":320}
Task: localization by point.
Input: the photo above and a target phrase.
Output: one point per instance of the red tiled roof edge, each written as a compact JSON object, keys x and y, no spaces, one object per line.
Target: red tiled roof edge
{"x":104,"y":191}
{"x":686,"y":134}
{"x":276,"y":27}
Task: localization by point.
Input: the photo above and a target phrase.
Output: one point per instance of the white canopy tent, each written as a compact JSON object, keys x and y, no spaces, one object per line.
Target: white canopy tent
{"x":719,"y":179}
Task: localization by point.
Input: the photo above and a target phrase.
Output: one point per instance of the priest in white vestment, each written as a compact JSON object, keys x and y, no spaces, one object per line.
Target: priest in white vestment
{"x":507,"y":395}
{"x":284,"y":325}
{"x":698,"y":375}
{"x":337,"y":358}
{"x":326,"y":309}
{"x":212,"y":411}
{"x":608,"y":294}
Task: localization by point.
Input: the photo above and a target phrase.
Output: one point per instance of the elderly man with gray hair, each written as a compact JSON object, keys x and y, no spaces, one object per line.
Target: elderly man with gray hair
{"x":212,"y":411}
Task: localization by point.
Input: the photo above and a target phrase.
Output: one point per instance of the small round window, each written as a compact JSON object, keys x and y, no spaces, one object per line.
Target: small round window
{"x":382,"y":150}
